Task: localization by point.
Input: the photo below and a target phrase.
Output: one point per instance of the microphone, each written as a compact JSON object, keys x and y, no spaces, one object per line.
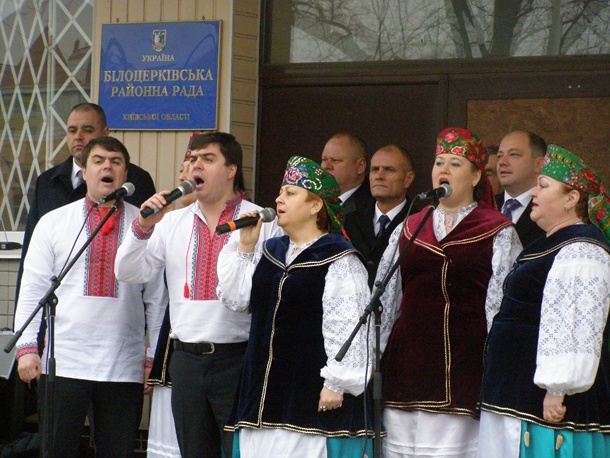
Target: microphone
{"x":186,"y":187}
{"x":126,"y":190}
{"x":267,"y":214}
{"x":443,"y":191}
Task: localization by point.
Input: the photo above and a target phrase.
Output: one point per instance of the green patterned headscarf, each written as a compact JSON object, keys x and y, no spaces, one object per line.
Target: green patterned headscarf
{"x":307,"y":174}
{"x":570,"y":169}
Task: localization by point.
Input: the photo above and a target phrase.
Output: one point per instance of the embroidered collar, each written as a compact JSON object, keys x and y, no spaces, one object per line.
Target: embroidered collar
{"x":235,"y":201}
{"x":462,"y":212}
{"x":294,"y":250}
{"x":439,"y":218}
{"x":101,"y":214}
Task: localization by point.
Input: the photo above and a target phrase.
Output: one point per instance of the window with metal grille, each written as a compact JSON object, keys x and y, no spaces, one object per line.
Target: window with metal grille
{"x":45,"y":69}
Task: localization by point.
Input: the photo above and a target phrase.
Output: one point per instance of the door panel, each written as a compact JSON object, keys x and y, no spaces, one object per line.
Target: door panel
{"x":299,"y":120}
{"x":569,"y":109}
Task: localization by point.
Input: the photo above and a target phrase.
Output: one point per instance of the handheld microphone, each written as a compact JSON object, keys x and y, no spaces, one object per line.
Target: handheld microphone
{"x":267,"y":214}
{"x":443,"y":191}
{"x":185,"y":188}
{"x":126,"y":190}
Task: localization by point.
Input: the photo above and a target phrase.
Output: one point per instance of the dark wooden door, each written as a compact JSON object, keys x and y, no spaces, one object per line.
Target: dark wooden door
{"x":298,"y":120}
{"x":564,"y":99}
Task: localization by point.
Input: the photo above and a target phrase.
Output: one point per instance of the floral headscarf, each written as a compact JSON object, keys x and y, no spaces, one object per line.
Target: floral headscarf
{"x":462,"y":142}
{"x":568,"y":168}
{"x":307,"y":174}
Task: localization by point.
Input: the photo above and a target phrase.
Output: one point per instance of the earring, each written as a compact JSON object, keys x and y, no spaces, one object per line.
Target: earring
{"x":566,"y":209}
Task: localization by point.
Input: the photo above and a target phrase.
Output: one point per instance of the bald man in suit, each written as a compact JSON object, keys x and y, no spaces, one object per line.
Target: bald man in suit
{"x":345,"y":157}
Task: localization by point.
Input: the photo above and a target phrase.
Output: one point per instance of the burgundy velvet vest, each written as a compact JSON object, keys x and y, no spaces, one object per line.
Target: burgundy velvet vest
{"x":434,"y":357}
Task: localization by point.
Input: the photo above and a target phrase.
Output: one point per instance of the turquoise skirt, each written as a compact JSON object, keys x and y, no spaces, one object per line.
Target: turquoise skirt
{"x":545,"y":442}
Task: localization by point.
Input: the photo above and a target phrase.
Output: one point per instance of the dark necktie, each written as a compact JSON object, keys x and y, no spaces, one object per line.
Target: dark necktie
{"x":79,"y":178}
{"x":383,"y":221}
{"x":509,"y":207}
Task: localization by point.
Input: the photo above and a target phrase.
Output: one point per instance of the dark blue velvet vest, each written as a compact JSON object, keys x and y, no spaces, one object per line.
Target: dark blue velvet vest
{"x":280,"y":382}
{"x":510,"y":363}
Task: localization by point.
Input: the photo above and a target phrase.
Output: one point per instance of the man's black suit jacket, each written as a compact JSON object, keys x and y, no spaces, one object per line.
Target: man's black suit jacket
{"x":527,"y":230}
{"x":359,"y":199}
{"x":361,"y":231}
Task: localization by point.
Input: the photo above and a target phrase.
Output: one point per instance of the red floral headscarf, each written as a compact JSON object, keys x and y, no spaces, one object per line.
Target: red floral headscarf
{"x":462,"y":142}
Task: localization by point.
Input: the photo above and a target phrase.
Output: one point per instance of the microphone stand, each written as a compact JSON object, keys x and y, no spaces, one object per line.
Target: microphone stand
{"x":376,"y":308}
{"x":49,"y":302}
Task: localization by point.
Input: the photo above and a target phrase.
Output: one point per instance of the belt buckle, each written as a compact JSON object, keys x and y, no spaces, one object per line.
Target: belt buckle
{"x":212,"y":349}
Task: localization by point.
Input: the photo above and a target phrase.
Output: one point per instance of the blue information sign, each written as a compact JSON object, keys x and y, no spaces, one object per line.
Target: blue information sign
{"x":160,"y":76}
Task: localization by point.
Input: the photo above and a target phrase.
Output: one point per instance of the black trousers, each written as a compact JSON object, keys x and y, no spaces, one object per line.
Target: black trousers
{"x":117,"y":407}
{"x":203,"y":391}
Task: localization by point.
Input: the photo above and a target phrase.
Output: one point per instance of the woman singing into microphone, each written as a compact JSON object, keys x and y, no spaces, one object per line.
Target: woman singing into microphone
{"x":433,"y":363}
{"x":306,"y":292}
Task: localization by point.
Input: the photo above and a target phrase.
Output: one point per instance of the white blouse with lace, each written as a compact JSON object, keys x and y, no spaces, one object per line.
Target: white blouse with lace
{"x":574,"y":311}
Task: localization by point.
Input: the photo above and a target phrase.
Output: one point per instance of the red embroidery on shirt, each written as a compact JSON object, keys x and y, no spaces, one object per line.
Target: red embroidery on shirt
{"x":204,"y":257}
{"x":100,"y":279}
{"x":109,"y":224}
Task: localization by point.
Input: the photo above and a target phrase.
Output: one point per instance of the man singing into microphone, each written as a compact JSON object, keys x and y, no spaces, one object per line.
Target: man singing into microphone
{"x":209,"y":340}
{"x":100,"y":323}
